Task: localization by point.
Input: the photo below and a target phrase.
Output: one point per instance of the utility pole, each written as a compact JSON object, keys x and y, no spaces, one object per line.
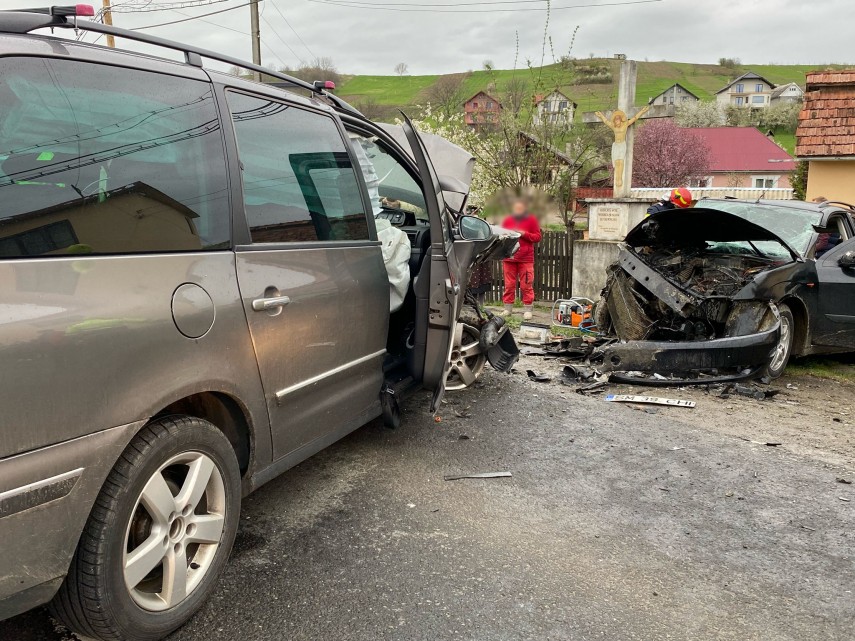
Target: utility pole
{"x":108,"y":20}
{"x":255,"y":32}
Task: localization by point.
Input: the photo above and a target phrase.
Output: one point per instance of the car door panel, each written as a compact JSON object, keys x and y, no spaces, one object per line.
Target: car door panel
{"x":312,"y":281}
{"x":835,"y":326}
{"x":320,"y":355}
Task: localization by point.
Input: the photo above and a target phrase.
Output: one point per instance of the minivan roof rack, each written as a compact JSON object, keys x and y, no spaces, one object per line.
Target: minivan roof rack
{"x":66,"y":17}
{"x":839,"y":203}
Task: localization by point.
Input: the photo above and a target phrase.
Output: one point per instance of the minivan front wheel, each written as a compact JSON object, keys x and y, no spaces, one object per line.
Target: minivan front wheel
{"x":158,"y":537}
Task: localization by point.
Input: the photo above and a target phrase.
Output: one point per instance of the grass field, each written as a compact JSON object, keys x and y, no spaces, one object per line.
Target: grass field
{"x":653,"y":77}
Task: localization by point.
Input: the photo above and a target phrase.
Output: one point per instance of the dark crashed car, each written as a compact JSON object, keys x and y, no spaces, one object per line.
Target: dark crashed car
{"x":730,"y":289}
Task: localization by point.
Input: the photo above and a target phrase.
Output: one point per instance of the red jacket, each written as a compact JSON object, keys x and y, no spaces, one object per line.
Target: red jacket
{"x":530,"y":229}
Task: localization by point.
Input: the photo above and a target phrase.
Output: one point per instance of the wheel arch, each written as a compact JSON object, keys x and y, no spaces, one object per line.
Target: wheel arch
{"x":226,"y":413}
{"x":801,"y":318}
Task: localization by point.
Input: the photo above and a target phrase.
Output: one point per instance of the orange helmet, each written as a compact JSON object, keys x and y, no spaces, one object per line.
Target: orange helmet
{"x":681,"y":197}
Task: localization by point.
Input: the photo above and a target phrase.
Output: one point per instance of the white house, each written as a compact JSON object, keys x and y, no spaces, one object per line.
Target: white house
{"x":749,"y":90}
{"x":556,"y":107}
{"x":789,"y":92}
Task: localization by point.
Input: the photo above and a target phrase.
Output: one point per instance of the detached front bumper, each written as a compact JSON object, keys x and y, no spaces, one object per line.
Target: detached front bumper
{"x":677,"y":358}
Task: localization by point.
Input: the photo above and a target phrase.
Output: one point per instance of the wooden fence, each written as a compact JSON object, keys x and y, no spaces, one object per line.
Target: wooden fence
{"x":553,"y":267}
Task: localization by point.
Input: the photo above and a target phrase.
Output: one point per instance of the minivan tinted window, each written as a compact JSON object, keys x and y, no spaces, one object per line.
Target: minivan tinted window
{"x":102,"y":160}
{"x":298,"y":181}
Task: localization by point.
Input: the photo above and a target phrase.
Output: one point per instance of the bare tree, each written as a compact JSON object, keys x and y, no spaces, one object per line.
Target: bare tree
{"x":401,"y":69}
{"x":319,"y":69}
{"x":447,"y":93}
{"x":516,"y":94}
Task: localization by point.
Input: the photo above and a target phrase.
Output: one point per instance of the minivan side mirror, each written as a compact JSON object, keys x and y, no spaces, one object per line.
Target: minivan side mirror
{"x":474,"y":228}
{"x":847,"y":260}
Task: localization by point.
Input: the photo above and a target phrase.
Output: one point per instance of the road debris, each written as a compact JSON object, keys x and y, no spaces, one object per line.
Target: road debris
{"x":650,"y":400}
{"x":766,"y":443}
{"x":844,"y":499}
{"x":478,"y":475}
{"x":463,"y":413}
{"x":845,"y":481}
{"x":536,"y":377}
{"x":576,"y":374}
{"x":593,"y":388}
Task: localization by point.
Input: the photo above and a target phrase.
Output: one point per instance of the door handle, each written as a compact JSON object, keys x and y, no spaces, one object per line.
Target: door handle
{"x":266,"y":304}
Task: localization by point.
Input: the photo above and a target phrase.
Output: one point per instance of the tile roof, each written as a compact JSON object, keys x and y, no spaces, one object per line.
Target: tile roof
{"x":827,"y":120}
{"x":743,"y":149}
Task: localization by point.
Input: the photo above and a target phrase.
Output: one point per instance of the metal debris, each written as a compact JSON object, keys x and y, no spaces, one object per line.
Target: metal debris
{"x":479,"y":475}
{"x":536,"y":377}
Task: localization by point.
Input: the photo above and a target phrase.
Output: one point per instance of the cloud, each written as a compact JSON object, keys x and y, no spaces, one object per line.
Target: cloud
{"x":372,"y":42}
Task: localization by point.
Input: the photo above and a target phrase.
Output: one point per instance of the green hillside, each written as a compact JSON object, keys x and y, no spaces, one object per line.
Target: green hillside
{"x":653,"y":78}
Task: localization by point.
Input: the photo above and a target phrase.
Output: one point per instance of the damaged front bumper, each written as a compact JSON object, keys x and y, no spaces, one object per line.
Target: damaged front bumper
{"x":740,"y":353}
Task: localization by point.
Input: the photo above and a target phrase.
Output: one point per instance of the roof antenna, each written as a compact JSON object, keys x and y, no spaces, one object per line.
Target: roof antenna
{"x":760,"y":197}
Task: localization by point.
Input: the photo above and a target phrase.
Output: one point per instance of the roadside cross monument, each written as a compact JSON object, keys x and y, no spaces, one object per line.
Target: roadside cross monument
{"x":620,"y":121}
{"x":610,"y":219}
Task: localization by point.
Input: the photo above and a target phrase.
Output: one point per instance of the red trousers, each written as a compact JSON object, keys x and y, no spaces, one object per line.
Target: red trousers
{"x":525,"y":273}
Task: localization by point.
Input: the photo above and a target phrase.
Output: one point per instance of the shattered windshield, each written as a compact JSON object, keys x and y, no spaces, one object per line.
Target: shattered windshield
{"x":792,"y":225}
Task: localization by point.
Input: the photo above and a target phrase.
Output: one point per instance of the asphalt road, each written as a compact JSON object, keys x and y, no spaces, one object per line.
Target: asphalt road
{"x":607,"y":530}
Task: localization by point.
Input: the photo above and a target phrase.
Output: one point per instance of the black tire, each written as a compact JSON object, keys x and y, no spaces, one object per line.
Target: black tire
{"x":94,"y":600}
{"x":784,"y":348}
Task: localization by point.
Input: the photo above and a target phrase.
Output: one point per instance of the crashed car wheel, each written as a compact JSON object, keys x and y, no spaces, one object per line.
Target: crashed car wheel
{"x":467,"y":360}
{"x":781,"y":354}
{"x":158,"y":536}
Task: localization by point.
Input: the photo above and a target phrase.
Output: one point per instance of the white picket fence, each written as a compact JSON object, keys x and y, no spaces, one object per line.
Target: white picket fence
{"x":742,"y":193}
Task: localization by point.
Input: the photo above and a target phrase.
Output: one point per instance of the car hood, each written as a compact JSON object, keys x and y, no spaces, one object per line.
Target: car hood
{"x":699,"y":224}
{"x":454,"y":165}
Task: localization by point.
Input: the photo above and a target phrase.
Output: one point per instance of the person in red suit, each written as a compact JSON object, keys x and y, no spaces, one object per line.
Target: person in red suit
{"x":520,"y":267}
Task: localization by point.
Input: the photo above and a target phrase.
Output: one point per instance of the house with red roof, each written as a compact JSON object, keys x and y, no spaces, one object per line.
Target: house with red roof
{"x":744,"y":157}
{"x":481,"y":110}
{"x":825,"y":137}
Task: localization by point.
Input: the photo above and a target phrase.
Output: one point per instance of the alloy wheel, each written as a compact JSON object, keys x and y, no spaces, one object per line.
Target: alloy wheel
{"x":174,"y":531}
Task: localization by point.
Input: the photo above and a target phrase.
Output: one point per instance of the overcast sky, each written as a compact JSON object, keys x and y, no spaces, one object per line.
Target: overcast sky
{"x":368,"y":41}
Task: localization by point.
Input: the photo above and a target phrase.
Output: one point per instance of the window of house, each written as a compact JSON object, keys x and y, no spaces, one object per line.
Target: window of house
{"x":101,"y":160}
{"x":740,"y":88}
{"x":562,"y":105}
{"x":299,"y":184}
{"x":475,"y":105}
{"x":758,"y":87}
{"x":489,"y":104}
{"x":758,"y":100}
{"x":740,"y":101}
{"x":761,"y":182}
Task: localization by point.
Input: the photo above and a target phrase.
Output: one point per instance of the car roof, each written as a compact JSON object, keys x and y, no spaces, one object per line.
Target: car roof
{"x":50,"y":46}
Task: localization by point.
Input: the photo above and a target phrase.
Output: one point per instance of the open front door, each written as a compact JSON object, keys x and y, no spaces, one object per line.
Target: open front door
{"x":448,"y":282}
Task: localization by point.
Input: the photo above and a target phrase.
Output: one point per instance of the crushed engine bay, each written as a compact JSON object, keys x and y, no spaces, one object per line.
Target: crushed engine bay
{"x":680,"y":294}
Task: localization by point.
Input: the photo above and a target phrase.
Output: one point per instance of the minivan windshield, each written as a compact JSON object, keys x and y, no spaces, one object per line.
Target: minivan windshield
{"x":791,"y":224}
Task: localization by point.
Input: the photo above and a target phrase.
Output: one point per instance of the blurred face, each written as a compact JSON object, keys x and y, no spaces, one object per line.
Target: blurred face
{"x":519,"y":208}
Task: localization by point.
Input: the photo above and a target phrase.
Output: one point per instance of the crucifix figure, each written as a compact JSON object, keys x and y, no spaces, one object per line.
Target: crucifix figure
{"x":619,"y":124}
{"x":620,"y":121}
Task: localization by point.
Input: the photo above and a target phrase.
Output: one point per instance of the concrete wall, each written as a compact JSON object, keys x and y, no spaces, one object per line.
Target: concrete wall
{"x":834,"y":179}
{"x":590,"y":259}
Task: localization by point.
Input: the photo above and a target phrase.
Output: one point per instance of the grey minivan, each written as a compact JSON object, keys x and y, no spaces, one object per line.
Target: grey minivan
{"x":193,"y":299}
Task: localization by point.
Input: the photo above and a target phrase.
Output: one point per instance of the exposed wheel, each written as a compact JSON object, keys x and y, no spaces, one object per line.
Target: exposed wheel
{"x":781,"y":354}
{"x":467,"y":360}
{"x":158,"y":536}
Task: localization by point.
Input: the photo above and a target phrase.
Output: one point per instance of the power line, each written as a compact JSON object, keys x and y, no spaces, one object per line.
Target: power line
{"x":279,"y":11}
{"x":276,"y":33}
{"x":151,"y":6}
{"x":211,"y":13}
{"x":416,"y":7}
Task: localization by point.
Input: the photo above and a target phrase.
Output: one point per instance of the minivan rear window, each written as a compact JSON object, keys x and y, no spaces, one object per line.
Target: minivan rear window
{"x":103,"y":160}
